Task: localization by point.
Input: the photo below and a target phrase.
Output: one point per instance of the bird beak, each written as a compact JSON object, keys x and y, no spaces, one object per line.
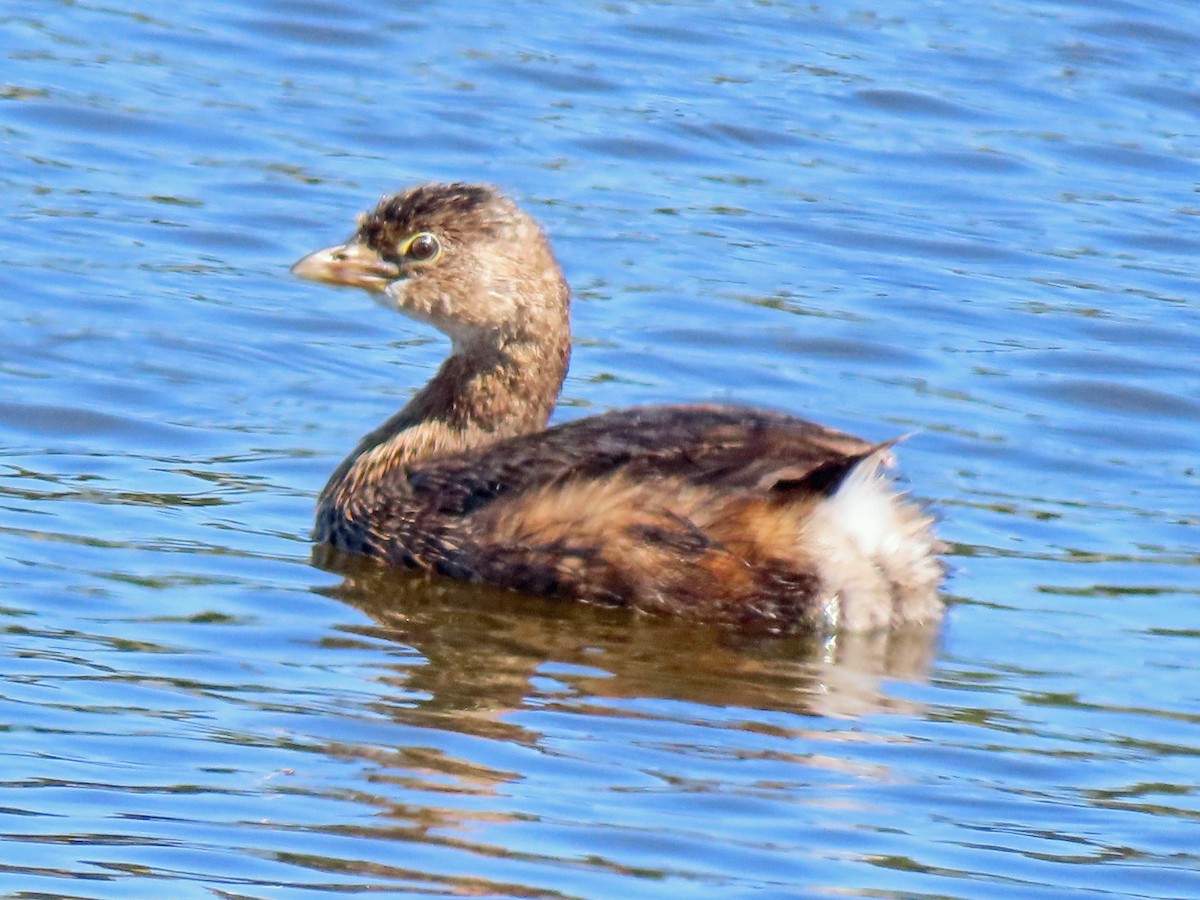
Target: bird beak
{"x":348,"y":265}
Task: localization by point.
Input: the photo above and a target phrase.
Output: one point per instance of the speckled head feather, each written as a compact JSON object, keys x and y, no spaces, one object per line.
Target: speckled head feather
{"x":494,"y":279}
{"x":458,"y":213}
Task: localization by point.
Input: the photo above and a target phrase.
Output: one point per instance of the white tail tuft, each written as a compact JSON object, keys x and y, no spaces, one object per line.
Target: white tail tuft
{"x":875,"y":552}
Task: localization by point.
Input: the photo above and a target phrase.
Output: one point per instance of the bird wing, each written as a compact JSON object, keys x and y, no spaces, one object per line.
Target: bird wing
{"x":720,"y":446}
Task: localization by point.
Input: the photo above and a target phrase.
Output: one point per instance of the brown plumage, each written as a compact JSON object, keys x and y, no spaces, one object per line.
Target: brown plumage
{"x":718,"y":513}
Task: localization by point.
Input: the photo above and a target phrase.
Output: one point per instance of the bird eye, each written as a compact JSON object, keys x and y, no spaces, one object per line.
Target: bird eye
{"x":422,"y":248}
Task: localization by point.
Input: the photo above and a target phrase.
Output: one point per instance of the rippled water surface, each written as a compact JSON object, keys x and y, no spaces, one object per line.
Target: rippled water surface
{"x":975,"y":222}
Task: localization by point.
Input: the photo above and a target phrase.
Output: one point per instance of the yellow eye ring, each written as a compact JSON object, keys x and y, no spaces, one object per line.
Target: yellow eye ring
{"x":423,"y":247}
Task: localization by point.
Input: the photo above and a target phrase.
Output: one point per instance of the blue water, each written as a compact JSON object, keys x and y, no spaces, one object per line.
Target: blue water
{"x":975,"y":222}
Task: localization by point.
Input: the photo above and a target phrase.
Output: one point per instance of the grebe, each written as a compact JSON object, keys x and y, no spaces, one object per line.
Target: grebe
{"x":712,"y":512}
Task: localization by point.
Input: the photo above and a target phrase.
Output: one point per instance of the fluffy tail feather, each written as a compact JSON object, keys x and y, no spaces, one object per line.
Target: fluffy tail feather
{"x":876,"y":552}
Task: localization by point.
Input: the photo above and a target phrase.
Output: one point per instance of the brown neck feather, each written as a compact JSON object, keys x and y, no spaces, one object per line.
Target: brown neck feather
{"x":482,"y":393}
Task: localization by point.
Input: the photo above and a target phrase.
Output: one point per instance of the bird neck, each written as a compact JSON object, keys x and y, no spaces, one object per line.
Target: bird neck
{"x":485,"y":391}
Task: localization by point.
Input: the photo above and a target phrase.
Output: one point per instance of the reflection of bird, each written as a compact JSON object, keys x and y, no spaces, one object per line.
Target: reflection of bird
{"x":710,"y":512}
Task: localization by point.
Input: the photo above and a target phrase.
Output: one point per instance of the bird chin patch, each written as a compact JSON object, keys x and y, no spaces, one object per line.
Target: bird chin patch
{"x":393,"y":296}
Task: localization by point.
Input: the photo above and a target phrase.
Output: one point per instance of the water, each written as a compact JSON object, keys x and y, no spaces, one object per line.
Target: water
{"x":977,"y":222}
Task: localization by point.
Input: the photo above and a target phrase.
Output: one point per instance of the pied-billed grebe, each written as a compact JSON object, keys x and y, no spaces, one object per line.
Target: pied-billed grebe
{"x":712,"y":512}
